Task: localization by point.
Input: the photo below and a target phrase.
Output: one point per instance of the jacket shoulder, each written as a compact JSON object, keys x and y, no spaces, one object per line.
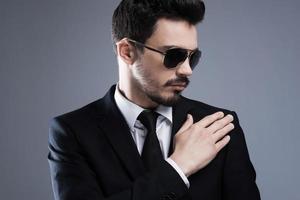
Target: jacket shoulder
{"x":198,"y":105}
{"x":198,"y":108}
{"x":85,"y":113}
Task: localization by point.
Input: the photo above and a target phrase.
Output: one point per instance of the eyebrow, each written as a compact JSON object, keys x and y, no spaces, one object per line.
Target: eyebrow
{"x":169,"y":47}
{"x":166,"y":47}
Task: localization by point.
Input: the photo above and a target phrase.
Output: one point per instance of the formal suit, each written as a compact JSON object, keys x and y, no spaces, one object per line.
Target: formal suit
{"x":93,"y":156}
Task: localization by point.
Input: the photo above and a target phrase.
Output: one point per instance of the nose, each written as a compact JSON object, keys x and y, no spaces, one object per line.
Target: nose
{"x":184,"y":70}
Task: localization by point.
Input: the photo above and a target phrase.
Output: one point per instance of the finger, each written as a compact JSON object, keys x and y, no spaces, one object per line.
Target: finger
{"x":206,"y":121}
{"x":219,"y":124}
{"x":222,"y":143}
{"x":188,"y":122}
{"x":222,"y":132}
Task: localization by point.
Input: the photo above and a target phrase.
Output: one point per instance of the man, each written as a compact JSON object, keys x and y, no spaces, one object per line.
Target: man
{"x":143,"y":140}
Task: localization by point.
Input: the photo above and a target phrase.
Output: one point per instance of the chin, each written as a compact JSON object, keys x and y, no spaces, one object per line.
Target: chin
{"x":168,"y":100}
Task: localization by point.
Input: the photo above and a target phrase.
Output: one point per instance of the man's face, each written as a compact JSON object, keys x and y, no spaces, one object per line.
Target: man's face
{"x":150,"y":76}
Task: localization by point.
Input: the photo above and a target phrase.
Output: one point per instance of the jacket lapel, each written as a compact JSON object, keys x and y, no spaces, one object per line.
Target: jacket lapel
{"x":180,"y":110}
{"x":112,"y":123}
{"x":118,"y":134}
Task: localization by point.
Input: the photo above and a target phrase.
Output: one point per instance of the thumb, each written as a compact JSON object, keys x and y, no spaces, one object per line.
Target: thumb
{"x":188,"y":122}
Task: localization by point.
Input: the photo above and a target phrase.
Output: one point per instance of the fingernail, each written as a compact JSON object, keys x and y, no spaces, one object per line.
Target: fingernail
{"x":230,"y":116}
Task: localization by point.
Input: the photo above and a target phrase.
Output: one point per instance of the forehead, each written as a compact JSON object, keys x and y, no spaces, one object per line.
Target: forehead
{"x":174,"y":33}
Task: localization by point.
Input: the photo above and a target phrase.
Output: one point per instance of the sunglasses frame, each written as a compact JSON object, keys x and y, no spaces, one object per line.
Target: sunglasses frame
{"x":189,"y":53}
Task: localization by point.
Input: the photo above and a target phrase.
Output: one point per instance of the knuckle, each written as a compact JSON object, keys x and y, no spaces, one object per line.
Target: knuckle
{"x":226,"y":122}
{"x":218,"y":114}
{"x":212,"y":141}
{"x":197,"y":128}
{"x":228,"y":127}
{"x":211,"y":117}
{"x":205,"y":131}
{"x":218,"y":123}
{"x":207,"y":118}
{"x":222,"y":132}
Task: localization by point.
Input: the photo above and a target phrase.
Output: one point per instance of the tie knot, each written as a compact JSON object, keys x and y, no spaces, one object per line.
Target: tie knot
{"x":148,"y":119}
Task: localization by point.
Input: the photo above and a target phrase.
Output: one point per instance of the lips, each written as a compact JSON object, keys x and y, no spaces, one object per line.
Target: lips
{"x":179,"y":84}
{"x":179,"y":87}
{"x":183,"y":85}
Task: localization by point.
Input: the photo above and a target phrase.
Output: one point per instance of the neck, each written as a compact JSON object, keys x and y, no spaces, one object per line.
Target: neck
{"x":136,"y":96}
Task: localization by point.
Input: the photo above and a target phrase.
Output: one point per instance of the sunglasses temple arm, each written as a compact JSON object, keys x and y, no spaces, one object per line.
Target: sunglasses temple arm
{"x":154,"y":50}
{"x":147,"y":47}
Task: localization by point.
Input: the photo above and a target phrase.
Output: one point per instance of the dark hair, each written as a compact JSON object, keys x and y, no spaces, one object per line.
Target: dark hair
{"x":136,"y":19}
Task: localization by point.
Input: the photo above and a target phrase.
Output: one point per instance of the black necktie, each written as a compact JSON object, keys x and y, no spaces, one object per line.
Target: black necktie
{"x":151,"y":154}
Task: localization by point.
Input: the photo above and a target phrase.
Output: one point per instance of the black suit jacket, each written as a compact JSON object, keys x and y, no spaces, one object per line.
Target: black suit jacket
{"x":93,"y":157}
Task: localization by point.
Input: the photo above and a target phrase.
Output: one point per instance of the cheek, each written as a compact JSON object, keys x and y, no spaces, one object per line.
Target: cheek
{"x":159,"y":77}
{"x":154,"y":72}
{"x":154,"y":62}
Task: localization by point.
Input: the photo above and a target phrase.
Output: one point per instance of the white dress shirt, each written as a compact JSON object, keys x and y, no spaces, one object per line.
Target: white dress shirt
{"x":131,"y":111}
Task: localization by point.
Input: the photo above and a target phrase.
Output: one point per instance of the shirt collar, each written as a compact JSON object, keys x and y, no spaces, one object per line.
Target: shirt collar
{"x":131,"y":111}
{"x":165,"y":111}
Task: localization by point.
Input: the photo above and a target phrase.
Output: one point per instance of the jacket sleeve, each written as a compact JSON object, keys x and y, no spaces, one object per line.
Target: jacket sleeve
{"x":239,"y":173}
{"x":73,"y":179}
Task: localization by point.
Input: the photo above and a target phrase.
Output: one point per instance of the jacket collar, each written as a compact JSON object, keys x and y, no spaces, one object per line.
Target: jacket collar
{"x":115,"y":128}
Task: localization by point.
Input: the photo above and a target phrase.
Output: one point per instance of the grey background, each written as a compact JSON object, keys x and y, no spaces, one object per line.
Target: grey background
{"x":56,"y":56}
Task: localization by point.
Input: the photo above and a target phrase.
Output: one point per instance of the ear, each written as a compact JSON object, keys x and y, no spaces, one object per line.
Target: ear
{"x":126,"y":51}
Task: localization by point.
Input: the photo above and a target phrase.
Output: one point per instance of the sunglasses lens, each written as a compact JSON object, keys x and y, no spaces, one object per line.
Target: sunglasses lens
{"x":174,"y":56}
{"x":194,"y":58}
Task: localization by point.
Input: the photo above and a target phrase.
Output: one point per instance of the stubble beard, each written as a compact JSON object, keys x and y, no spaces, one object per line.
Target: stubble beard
{"x":159,"y":99}
{"x":152,"y":90}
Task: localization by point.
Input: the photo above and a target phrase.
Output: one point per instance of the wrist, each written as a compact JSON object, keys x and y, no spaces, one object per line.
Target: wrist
{"x":184,"y":167}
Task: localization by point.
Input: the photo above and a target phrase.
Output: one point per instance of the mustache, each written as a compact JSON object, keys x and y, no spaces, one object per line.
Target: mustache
{"x":179,"y":80}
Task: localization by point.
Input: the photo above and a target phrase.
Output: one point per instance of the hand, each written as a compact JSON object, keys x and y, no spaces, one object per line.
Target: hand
{"x":197,"y":144}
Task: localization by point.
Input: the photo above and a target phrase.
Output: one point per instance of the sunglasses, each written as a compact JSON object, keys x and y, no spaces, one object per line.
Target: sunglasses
{"x":175,"y":56}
